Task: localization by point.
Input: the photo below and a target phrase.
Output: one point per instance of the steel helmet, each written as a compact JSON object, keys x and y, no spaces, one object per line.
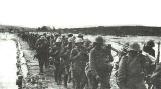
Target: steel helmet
{"x":70,"y":35}
{"x":135,"y":46}
{"x":79,"y":40}
{"x":99,"y":39}
{"x":80,"y":35}
{"x":151,"y":43}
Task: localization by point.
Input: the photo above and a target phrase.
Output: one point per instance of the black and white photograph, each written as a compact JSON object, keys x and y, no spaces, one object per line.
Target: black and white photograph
{"x":80,"y":44}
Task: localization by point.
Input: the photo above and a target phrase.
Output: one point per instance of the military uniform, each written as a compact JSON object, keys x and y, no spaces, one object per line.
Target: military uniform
{"x":130,"y":72}
{"x":42,"y":50}
{"x":79,"y":57}
{"x":156,"y":77}
{"x":66,"y":62}
{"x":99,"y":68}
{"x":57,"y":62}
{"x":150,"y":67}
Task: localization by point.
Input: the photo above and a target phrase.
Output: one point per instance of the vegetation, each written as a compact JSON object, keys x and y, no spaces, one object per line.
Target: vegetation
{"x":117,"y":30}
{"x":101,"y":30}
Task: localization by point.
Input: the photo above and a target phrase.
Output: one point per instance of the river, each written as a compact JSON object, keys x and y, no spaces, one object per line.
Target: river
{"x":8,"y":64}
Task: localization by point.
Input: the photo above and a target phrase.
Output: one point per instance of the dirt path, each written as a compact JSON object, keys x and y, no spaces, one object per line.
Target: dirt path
{"x":33,"y":67}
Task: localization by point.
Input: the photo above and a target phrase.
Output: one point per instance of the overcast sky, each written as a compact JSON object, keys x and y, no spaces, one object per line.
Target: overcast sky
{"x":80,"y":13}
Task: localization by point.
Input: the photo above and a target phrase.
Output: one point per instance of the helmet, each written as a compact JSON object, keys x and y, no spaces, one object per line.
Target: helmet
{"x":70,"y":35}
{"x":58,"y":39}
{"x":70,"y":39}
{"x":87,"y":41}
{"x":135,"y":46}
{"x":151,"y":43}
{"x":63,"y":36}
{"x":79,"y":40}
{"x":42,"y":37}
{"x":99,"y":39}
{"x":80,"y":35}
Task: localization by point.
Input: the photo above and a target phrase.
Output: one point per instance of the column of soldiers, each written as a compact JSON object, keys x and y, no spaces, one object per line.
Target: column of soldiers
{"x":88,"y":64}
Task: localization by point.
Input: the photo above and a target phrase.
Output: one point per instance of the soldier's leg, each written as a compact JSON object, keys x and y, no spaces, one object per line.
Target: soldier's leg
{"x":92,"y":82}
{"x":73,"y":78}
{"x":65,"y":80}
{"x":77,"y":77}
{"x":104,"y":80}
{"x":40,"y":65}
{"x":59,"y":74}
{"x":66,"y":72}
{"x":46,"y":61}
{"x":56,"y":72}
{"x":69,"y":76}
{"x":84,"y":80}
{"x":141,"y":85}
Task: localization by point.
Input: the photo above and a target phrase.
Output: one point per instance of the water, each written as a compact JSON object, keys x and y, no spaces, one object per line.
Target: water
{"x":8,"y":64}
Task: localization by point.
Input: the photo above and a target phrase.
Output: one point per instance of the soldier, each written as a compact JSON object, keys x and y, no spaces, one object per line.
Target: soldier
{"x":131,"y":66}
{"x":42,"y":49}
{"x":150,"y":67}
{"x":99,"y":65}
{"x":66,"y":60}
{"x":87,"y":44}
{"x":57,"y":60}
{"x":78,"y":58}
{"x":149,"y":48}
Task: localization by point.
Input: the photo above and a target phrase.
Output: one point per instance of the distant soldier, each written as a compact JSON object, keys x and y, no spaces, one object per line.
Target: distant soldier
{"x":87,"y":44}
{"x":80,"y":36}
{"x":149,"y":48}
{"x":66,"y":60}
{"x":123,"y":52}
{"x":78,"y":57}
{"x":131,"y":66}
{"x":150,"y":67}
{"x":42,"y":49}
{"x":99,"y":65}
{"x":56,"y":54}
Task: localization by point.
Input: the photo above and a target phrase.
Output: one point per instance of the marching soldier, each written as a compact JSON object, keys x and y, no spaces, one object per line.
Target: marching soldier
{"x":99,"y":65}
{"x":130,"y":72}
{"x":57,"y":60}
{"x":150,"y":67}
{"x":42,"y":49}
{"x":149,"y":48}
{"x":78,"y":58}
{"x":66,"y":60}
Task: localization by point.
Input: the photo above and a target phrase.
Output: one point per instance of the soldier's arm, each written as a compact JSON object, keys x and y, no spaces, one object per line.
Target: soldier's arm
{"x":122,"y":71}
{"x":74,"y":55}
{"x":37,"y":43}
{"x":92,"y":60}
{"x":109,"y":48}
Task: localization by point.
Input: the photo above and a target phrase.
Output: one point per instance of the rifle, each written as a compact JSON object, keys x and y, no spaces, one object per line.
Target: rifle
{"x":158,"y":56}
{"x":35,"y":56}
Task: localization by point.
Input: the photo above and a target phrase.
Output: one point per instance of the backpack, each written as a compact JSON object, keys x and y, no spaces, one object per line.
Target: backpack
{"x":140,"y":64}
